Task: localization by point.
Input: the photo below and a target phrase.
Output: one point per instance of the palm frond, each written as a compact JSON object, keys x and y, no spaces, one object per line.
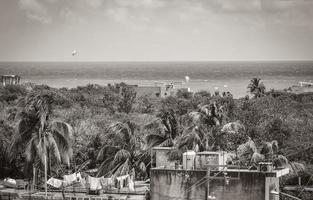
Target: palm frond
{"x":62,"y":128}
{"x":153,"y":140}
{"x":296,"y":167}
{"x":40,"y":145}
{"x":83,"y":165}
{"x":62,"y":134}
{"x":30,"y":150}
{"x":190,"y":140}
{"x":256,"y":158}
{"x":167,"y":143}
{"x":106,"y":166}
{"x":121,"y":130}
{"x":122,"y":169}
{"x":195,"y":117}
{"x":233,"y":127}
{"x":107,"y":150}
{"x":280,"y":161}
{"x":53,"y":147}
{"x":121,"y":156}
{"x":246,"y":150}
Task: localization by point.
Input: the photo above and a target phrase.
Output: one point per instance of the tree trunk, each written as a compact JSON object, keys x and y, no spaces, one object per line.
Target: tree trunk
{"x":34,"y":179}
{"x":45,"y":174}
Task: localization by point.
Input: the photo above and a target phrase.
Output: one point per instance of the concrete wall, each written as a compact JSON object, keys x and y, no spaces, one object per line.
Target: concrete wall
{"x":247,"y":185}
{"x":271,"y":183}
{"x":174,"y":184}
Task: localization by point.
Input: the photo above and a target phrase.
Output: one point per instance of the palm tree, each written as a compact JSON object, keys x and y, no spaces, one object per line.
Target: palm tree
{"x":203,"y":133}
{"x":38,"y":136}
{"x":164,"y":130}
{"x":207,"y":115}
{"x":234,"y":134}
{"x":123,"y":153}
{"x":248,"y":155}
{"x":193,"y":139}
{"x":256,"y":87}
{"x":4,"y":143}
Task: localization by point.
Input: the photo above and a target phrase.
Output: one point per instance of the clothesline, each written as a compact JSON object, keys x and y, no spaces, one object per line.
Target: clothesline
{"x":93,"y":183}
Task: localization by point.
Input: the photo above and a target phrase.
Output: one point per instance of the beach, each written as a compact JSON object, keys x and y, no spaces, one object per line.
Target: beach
{"x":211,"y":76}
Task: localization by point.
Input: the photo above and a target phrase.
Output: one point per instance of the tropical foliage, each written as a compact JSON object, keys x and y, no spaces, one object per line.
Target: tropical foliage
{"x":256,"y":87}
{"x":37,"y":136}
{"x":123,"y":152}
{"x":119,"y":128}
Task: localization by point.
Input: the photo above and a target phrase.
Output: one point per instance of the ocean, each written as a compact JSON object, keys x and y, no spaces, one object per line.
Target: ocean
{"x":211,"y":76}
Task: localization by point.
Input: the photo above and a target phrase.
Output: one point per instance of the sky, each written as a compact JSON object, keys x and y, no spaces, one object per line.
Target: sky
{"x":156,"y":30}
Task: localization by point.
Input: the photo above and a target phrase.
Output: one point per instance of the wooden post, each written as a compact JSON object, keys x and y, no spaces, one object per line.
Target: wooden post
{"x":208,"y":183}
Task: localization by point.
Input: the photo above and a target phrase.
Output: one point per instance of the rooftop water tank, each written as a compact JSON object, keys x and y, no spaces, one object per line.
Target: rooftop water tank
{"x":189,"y":159}
{"x":214,"y":160}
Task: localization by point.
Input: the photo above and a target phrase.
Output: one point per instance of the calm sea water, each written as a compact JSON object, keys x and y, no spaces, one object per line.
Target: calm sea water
{"x":224,"y":76}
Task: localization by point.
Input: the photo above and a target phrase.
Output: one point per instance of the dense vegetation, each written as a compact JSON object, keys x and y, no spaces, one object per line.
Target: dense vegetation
{"x":109,"y":128}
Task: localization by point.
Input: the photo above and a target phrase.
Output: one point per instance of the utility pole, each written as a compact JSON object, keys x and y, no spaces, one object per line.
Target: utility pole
{"x":45,"y":160}
{"x":208,"y":183}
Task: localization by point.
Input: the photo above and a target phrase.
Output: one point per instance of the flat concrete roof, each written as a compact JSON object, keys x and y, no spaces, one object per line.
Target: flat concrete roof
{"x":273,"y":173}
{"x":163,"y":148}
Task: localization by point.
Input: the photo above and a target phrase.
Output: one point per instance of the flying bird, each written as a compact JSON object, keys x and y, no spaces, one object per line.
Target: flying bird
{"x":74,"y":53}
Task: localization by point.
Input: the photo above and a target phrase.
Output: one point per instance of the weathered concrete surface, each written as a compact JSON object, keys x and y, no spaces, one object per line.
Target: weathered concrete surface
{"x":248,"y":186}
{"x":175,"y":185}
{"x":169,"y":184}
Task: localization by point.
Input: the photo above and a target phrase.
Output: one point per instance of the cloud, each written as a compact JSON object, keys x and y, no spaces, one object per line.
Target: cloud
{"x":94,"y":3}
{"x":141,"y":3}
{"x":35,"y":11}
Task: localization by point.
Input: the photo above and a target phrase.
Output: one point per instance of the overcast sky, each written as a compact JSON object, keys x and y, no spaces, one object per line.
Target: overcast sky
{"x":156,"y":30}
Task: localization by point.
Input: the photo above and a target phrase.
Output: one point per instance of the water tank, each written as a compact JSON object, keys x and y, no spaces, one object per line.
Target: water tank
{"x":210,"y":159}
{"x":189,"y":159}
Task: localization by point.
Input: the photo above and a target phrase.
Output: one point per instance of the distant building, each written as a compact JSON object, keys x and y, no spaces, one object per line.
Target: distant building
{"x":10,"y":79}
{"x":159,"y":89}
{"x":303,"y":87}
{"x":153,"y":91}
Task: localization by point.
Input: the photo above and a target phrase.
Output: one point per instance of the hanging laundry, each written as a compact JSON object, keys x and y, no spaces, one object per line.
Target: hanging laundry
{"x":122,"y":181}
{"x":106,"y":182}
{"x":79,"y":177}
{"x":131,"y":185}
{"x":94,"y":183}
{"x":67,"y":183}
{"x":56,"y":183}
{"x":70,"y":178}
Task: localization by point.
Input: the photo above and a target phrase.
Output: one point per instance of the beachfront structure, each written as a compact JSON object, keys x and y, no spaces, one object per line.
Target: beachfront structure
{"x":306,"y":84}
{"x":303,"y":87}
{"x":205,"y":176}
{"x":10,"y":79}
{"x":157,"y":91}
